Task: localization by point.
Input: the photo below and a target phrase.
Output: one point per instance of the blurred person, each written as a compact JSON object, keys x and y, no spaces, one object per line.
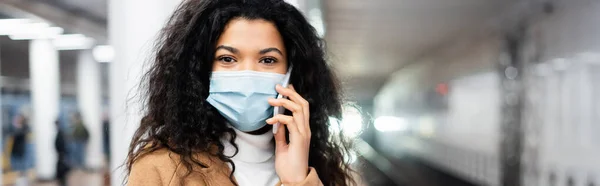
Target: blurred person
{"x":211,"y":91}
{"x":80,"y":138}
{"x":106,"y":146}
{"x":106,"y":137}
{"x":62,"y":164}
{"x":19,"y":149}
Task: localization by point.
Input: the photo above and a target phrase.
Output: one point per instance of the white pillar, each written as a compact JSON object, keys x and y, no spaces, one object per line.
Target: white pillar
{"x":45,"y":93}
{"x":1,"y":137}
{"x":89,"y":103}
{"x":299,"y":4}
{"x":133,"y":27}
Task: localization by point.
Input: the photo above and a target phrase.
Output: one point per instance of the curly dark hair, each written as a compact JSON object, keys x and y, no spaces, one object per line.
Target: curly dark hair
{"x":179,"y":118}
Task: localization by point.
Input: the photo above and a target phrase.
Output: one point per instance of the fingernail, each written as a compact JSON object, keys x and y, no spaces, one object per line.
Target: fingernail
{"x":269,"y":120}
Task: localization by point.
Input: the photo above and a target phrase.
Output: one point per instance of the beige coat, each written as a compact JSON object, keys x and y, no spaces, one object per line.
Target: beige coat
{"x":163,"y":168}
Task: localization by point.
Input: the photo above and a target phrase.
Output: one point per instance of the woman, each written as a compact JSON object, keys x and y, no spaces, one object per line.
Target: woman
{"x":218,"y":68}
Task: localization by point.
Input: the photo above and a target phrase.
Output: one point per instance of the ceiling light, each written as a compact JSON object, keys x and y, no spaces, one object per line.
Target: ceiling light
{"x":390,"y":123}
{"x":7,"y":25}
{"x":30,"y":31}
{"x":73,"y":42}
{"x":103,"y":53}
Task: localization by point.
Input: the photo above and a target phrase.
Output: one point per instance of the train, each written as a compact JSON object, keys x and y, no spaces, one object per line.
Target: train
{"x":538,"y":73}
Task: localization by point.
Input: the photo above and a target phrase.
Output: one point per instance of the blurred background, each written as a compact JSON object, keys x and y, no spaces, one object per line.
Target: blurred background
{"x":440,"y":92}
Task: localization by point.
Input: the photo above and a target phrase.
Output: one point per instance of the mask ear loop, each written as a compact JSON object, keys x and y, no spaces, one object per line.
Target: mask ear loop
{"x":280,"y":110}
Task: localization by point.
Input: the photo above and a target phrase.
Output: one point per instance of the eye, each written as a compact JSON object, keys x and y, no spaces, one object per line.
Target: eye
{"x":226,"y":59}
{"x":268,"y":60}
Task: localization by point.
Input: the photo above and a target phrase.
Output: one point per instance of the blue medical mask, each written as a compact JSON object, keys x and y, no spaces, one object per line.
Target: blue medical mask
{"x":241,"y":97}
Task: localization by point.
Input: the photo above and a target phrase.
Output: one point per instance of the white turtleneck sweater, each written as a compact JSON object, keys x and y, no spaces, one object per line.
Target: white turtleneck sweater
{"x":255,"y":160}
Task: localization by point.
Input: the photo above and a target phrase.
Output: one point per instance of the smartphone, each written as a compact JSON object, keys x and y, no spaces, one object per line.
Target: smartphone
{"x":280,"y":109}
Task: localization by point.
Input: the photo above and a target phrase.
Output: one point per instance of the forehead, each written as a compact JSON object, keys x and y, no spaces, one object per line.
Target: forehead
{"x":250,"y":34}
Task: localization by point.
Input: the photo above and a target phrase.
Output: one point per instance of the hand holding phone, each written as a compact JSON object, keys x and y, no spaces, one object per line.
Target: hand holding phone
{"x":291,"y":145}
{"x":280,"y":109}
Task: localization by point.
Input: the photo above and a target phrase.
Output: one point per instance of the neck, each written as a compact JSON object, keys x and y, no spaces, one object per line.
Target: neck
{"x":252,"y":148}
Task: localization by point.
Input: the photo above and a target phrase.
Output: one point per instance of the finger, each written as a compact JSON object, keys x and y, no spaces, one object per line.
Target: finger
{"x":295,"y":136}
{"x":291,"y":94}
{"x":306,"y":111}
{"x":303,"y":102}
{"x":288,"y":104}
{"x":286,"y":120}
{"x":280,"y":142}
{"x":297,"y":112}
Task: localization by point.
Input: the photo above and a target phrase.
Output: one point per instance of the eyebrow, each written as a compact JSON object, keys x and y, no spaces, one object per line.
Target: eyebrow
{"x":228,"y":48}
{"x":261,"y":52}
{"x":267,"y":50}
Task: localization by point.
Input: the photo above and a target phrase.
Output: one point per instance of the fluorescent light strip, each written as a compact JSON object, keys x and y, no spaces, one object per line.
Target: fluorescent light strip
{"x":390,"y":123}
{"x":25,"y":29}
{"x":104,"y":53}
{"x":35,"y":31}
{"x":8,"y":25}
{"x":73,"y":42}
